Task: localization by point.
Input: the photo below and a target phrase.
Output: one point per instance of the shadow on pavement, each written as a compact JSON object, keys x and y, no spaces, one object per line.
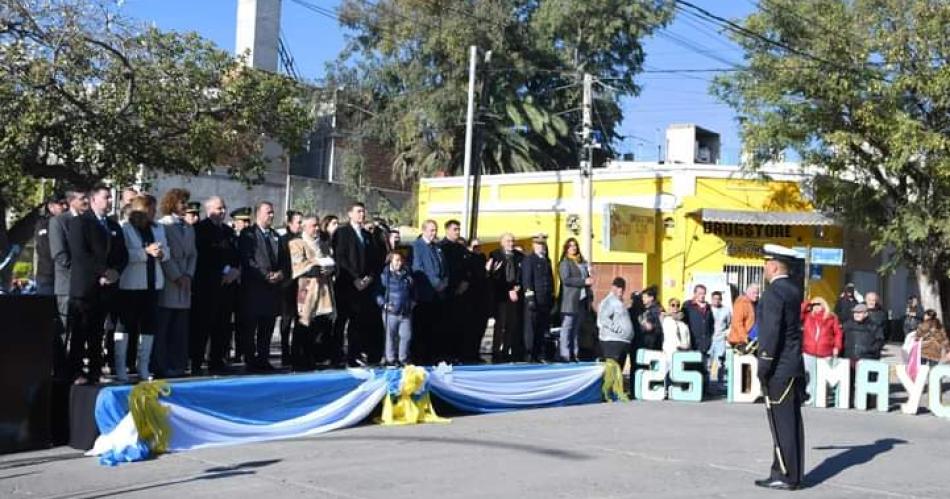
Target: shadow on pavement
{"x":7,"y":464}
{"x":494,"y":444}
{"x":18,"y":475}
{"x":853,"y":455}
{"x":215,"y":473}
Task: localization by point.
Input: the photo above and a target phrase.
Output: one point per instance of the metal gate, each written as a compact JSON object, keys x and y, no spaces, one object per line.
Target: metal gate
{"x":741,"y":276}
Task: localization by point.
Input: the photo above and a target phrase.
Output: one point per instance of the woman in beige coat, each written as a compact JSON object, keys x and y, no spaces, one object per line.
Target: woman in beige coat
{"x":313,"y":271}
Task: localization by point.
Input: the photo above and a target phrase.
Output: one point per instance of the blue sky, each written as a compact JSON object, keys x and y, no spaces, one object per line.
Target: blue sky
{"x":666,"y":98}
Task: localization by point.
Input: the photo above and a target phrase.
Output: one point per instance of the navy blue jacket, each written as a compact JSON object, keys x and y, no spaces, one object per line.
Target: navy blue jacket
{"x":537,"y":279}
{"x":429,"y":271}
{"x":780,"y":331}
{"x":701,"y":326}
{"x":395,"y":288}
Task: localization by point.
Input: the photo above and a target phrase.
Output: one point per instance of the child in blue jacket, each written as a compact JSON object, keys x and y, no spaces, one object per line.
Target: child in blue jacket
{"x":396,"y":301}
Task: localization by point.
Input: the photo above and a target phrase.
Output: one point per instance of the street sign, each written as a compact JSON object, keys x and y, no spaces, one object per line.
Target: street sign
{"x":827,"y":256}
{"x":822,"y":256}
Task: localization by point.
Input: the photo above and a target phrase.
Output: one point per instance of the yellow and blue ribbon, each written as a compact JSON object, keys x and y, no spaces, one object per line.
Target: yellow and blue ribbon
{"x":408,"y":400}
{"x":613,"y":382}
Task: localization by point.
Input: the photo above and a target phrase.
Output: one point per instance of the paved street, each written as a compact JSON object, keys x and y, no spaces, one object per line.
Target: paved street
{"x":641,"y":449}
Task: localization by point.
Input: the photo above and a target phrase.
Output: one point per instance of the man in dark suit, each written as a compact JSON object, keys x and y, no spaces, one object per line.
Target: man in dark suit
{"x":458,"y":302}
{"x":430,"y":276}
{"x":780,"y":368}
{"x":701,"y":324}
{"x":213,"y":293}
{"x":261,"y":278}
{"x":77,"y":203}
{"x":479,"y":303}
{"x":45,"y":272}
{"x":537,"y":279}
{"x":97,"y":257}
{"x":288,"y":302}
{"x":353,"y":250}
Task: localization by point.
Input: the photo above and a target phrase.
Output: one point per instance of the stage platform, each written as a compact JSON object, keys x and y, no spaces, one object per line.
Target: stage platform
{"x":232,"y":410}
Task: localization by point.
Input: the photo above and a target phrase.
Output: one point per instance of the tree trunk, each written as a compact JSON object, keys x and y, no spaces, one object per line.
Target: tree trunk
{"x":929,"y":285}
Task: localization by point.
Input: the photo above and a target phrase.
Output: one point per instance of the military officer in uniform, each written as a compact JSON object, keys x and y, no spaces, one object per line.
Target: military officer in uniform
{"x":193,"y":213}
{"x":780,"y":368}
{"x":240,"y":219}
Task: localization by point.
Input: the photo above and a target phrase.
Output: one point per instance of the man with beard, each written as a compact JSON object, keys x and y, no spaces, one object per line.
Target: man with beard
{"x":504,"y":274}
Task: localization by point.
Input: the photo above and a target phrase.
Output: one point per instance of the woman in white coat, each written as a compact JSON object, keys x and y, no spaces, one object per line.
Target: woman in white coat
{"x":140,"y":284}
{"x":675,"y":333}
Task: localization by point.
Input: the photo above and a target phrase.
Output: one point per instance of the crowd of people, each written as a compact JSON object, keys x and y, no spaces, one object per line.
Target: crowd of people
{"x":167,"y":288}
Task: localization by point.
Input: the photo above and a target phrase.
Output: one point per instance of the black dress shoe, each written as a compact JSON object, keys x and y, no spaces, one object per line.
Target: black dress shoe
{"x":769,"y":483}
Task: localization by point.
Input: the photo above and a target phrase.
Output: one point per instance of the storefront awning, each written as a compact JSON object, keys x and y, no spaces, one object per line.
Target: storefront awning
{"x":764,"y":217}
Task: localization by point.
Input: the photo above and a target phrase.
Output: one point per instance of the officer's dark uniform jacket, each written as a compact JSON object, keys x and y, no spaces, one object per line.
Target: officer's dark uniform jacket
{"x":780,"y":332}
{"x":538,"y":280}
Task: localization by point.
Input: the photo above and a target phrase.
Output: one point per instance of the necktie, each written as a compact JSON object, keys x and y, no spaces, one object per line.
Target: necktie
{"x":269,"y":243}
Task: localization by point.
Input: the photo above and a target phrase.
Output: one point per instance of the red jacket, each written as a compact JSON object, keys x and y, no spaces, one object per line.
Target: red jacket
{"x":821,"y":335}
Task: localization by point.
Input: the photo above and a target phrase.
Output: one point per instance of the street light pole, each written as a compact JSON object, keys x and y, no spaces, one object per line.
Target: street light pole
{"x":587,"y":165}
{"x":469,"y":126}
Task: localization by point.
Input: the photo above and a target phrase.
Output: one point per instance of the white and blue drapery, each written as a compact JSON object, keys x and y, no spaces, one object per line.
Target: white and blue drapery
{"x":240,"y":410}
{"x":510,"y":387}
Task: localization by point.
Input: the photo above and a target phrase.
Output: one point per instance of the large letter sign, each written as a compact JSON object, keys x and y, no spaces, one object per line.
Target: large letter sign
{"x":913,"y":387}
{"x":835,"y":373}
{"x":864,"y":386}
{"x":679,"y":376}
{"x":937,"y":374}
{"x":737,"y":377}
{"x":648,"y":383}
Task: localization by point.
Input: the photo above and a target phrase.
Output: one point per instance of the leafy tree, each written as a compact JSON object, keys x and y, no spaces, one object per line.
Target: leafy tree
{"x":406,"y":68}
{"x":862,"y":90}
{"x":87,"y":95}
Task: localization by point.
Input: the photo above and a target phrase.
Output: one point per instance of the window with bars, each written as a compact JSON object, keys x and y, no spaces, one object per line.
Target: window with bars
{"x":740,"y":277}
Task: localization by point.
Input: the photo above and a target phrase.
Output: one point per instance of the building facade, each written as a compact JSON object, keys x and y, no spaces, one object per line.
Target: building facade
{"x":671,"y":226}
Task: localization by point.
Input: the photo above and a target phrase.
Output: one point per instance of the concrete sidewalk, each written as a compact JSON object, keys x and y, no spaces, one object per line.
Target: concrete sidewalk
{"x":636,"y":449}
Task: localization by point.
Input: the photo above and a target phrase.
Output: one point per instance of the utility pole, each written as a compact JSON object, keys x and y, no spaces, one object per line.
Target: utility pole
{"x":478,"y":149}
{"x":469,"y":126}
{"x":587,"y":165}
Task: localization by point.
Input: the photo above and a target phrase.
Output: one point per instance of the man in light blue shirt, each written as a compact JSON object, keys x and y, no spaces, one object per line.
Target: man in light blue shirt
{"x":722,"y":321}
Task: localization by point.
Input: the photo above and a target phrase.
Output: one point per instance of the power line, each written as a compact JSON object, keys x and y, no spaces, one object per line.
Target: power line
{"x":695,"y":48}
{"x":286,"y":57}
{"x":716,"y":36}
{"x":682,"y":5}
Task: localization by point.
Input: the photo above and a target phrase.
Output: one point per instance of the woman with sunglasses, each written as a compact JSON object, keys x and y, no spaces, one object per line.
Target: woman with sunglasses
{"x":675,"y":332}
{"x":821,"y":338}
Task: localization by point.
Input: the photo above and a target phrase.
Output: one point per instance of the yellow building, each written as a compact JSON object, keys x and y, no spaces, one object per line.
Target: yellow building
{"x":664,"y":225}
